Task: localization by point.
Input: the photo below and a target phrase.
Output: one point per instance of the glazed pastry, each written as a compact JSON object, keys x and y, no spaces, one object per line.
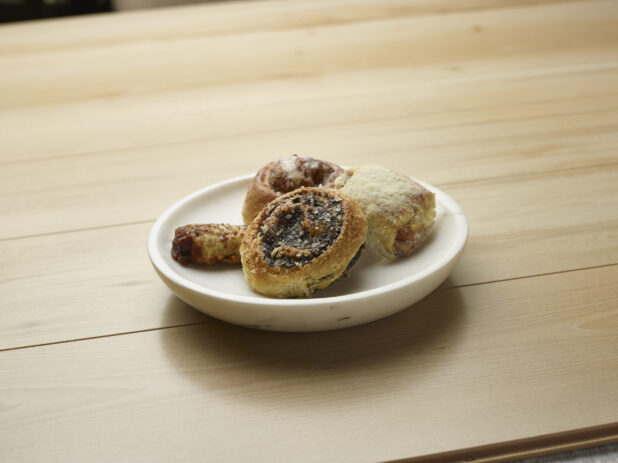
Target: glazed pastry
{"x":282,"y":176}
{"x":208,"y":244}
{"x":400,"y":213}
{"x":301,"y":242}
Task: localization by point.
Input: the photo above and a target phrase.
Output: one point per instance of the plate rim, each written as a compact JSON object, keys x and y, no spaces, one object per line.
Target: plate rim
{"x":162,"y":266}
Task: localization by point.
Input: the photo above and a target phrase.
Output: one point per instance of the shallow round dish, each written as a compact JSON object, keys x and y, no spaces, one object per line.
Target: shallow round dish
{"x":374,"y":289}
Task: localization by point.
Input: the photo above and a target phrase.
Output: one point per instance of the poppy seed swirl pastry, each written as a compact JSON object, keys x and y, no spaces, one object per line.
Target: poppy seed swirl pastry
{"x":400,"y":213}
{"x":208,"y":244}
{"x":301,"y":242}
{"x":285,"y":175}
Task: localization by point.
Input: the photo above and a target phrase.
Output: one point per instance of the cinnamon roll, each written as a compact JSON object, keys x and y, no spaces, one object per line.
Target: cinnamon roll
{"x":208,"y":244}
{"x":301,"y":242}
{"x":285,"y":175}
{"x":400,"y":213}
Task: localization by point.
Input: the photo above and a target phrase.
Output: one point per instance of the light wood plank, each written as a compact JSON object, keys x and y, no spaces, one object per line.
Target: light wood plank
{"x":116,"y":107}
{"x":198,"y":61}
{"x":415,"y":101}
{"x":93,"y":190}
{"x":99,"y":282}
{"x":83,"y":284}
{"x":227,"y":18}
{"x":465,"y":367}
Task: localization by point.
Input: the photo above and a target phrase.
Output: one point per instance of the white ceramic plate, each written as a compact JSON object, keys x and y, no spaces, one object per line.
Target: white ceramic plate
{"x":375,"y":288}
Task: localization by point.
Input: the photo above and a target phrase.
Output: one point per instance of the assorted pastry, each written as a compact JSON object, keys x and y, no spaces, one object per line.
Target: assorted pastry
{"x":302,"y":241}
{"x":307,"y":221}
{"x":400,"y":213}
{"x":283,"y":176}
{"x":211,"y":243}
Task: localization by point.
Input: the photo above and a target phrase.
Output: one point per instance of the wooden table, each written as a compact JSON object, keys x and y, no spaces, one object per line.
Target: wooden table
{"x":511,"y":107}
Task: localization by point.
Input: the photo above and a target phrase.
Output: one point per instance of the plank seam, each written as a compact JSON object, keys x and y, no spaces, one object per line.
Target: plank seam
{"x":89,"y":338}
{"x":523,"y":277}
{"x":317,"y":126}
{"x":111,"y":335}
{"x":523,"y":176}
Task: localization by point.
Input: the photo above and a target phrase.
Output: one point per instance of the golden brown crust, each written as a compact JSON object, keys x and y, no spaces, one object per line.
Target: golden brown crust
{"x":400,"y":213}
{"x":285,"y":175}
{"x":208,"y":244}
{"x":301,"y":242}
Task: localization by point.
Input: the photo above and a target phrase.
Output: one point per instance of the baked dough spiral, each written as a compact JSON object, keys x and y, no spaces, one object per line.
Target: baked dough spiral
{"x":301,"y":242}
{"x":207,"y":243}
{"x":400,"y":212}
{"x":285,"y":175}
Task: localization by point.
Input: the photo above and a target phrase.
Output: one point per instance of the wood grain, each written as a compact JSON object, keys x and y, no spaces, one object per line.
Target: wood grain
{"x":135,"y":67}
{"x":100,"y":282}
{"x":90,"y":190}
{"x":508,"y":106}
{"x":515,"y":351}
{"x":290,"y":75}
